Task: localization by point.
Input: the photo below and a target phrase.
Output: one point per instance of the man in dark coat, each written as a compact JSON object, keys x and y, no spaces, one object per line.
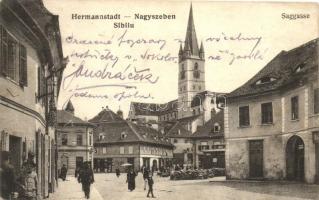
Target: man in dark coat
{"x":146,"y":173}
{"x":7,"y":176}
{"x":150,"y":185}
{"x":86,"y":177}
{"x":131,"y":179}
{"x":64,"y":171}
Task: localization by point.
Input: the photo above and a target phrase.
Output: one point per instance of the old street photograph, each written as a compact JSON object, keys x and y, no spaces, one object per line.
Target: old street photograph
{"x":192,"y":100}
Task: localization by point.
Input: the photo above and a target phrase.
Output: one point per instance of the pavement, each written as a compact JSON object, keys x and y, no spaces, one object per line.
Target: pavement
{"x":108,"y":186}
{"x":71,"y":189}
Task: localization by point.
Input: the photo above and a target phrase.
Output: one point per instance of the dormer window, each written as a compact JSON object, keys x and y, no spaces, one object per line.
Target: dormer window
{"x":300,"y":67}
{"x":123,"y":135}
{"x":216,"y":128}
{"x":265,"y":80}
{"x":101,"y":136}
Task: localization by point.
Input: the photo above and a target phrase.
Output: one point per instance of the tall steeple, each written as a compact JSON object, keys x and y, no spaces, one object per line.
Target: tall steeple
{"x":191,"y":39}
{"x":69,"y":107}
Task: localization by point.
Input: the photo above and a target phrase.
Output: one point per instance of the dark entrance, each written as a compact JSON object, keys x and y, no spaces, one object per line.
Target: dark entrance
{"x":15,"y":151}
{"x":295,"y":159}
{"x":256,"y":158}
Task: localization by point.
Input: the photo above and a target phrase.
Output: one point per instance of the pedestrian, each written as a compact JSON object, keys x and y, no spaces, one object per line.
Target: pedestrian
{"x":118,"y":173}
{"x":64,"y":171}
{"x":131,"y":179}
{"x":86,"y":177}
{"x":150,"y":186}
{"x":145,"y":176}
{"x":7,"y":176}
{"x":30,"y":184}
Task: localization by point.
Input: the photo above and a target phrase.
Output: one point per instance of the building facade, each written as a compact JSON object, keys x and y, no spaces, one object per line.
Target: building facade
{"x":209,"y":143}
{"x":74,"y":139}
{"x":118,"y":141}
{"x":31,"y":65}
{"x":272,"y":121}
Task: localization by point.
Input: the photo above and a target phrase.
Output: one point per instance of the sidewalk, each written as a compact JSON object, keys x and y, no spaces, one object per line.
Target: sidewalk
{"x":71,"y":189}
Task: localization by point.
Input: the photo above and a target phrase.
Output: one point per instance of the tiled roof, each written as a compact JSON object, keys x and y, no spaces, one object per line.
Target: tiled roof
{"x":65,"y":117}
{"x":153,"y":108}
{"x":281,"y":71}
{"x":112,"y":127}
{"x":207,"y":130}
{"x":106,"y":116}
{"x":178,"y":130}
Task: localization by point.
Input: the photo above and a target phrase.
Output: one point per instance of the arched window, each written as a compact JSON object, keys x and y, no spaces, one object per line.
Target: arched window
{"x":196,"y":73}
{"x":183,"y":72}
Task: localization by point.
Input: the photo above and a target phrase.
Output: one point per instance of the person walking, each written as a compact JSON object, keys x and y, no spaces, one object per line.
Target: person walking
{"x":64,"y":171}
{"x":145,"y":176}
{"x":131,"y":179}
{"x":7,"y":176}
{"x":118,"y":173}
{"x":150,"y":182}
{"x":86,"y":177}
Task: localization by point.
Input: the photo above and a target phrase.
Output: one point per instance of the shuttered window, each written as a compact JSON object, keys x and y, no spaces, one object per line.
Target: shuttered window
{"x":294,"y":108}
{"x":244,"y":116}
{"x":266,"y":113}
{"x":13,"y":58}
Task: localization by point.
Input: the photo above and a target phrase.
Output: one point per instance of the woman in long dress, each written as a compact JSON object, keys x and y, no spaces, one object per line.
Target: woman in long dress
{"x":131,"y":179}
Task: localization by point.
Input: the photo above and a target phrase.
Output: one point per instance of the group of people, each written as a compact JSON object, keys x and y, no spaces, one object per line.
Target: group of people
{"x":18,"y":183}
{"x":130,"y":180}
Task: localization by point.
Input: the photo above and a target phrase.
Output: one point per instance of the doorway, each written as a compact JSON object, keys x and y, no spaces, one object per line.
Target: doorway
{"x":256,"y":158}
{"x":15,"y":151}
{"x":295,"y":151}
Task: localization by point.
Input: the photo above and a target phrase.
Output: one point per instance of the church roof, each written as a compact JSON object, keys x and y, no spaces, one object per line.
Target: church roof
{"x":287,"y":69}
{"x":191,"y":39}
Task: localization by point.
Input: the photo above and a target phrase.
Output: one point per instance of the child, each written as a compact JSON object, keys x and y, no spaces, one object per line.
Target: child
{"x":150,"y":185}
{"x":31,"y":181}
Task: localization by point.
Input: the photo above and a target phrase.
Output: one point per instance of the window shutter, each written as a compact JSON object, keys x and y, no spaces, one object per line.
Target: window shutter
{"x":4,"y":52}
{"x":39,"y":81}
{"x":23,"y":66}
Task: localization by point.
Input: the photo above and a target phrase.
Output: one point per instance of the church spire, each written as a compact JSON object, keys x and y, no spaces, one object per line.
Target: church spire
{"x":191,"y":39}
{"x":69,"y":107}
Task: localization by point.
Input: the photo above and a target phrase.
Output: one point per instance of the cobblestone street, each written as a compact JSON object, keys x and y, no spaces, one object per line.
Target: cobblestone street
{"x":108,"y":186}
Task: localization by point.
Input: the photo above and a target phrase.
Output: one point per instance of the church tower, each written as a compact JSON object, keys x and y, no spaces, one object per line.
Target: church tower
{"x":191,"y":78}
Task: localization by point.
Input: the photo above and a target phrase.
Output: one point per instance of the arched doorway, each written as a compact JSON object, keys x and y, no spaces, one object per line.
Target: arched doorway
{"x":295,"y":151}
{"x":154,"y":166}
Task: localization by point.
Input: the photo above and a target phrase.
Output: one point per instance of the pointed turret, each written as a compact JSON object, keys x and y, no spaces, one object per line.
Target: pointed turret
{"x":120,"y":112}
{"x":180,"y":53}
{"x":191,"y":39}
{"x":69,"y":107}
{"x":201,"y":51}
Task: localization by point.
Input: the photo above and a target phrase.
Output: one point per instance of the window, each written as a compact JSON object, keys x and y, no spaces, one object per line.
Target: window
{"x":244,"y":116}
{"x":196,"y":73}
{"x":13,"y":58}
{"x":121,"y":150}
{"x":130,"y":149}
{"x":316,"y":101}
{"x":266,"y":113}
{"x":183,"y":72}
{"x":175,"y":140}
{"x":103,"y":150}
{"x":216,"y":127}
{"x":294,"y":107}
{"x":194,"y":87}
{"x":123,"y":135}
{"x":264,"y":80}
{"x":64,"y":139}
{"x":203,"y":146}
{"x":79,"y":140}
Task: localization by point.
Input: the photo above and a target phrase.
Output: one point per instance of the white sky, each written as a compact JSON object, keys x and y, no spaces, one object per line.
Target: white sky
{"x":212,"y":19}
